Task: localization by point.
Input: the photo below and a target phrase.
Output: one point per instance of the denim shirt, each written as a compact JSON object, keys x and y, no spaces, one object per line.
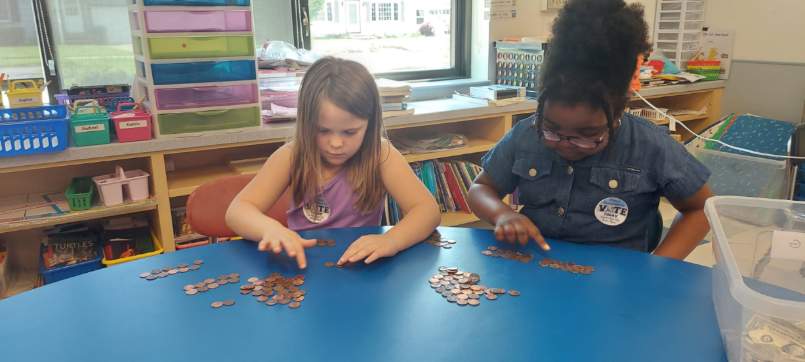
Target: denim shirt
{"x":610,"y":197}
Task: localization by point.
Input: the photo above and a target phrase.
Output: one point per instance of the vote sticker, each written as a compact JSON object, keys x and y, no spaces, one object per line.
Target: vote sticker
{"x":316,"y":211}
{"x":611,"y":211}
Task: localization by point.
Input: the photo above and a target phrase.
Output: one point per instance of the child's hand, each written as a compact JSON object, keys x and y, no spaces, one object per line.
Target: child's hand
{"x":369,"y":247}
{"x":515,"y":227}
{"x":294,"y":245}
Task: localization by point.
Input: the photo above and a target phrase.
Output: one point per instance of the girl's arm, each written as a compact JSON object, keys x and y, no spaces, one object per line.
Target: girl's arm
{"x":246,"y":214}
{"x":686,"y":233}
{"x":421,"y":212}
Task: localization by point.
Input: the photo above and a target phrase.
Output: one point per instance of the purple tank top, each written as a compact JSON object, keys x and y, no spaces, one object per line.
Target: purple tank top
{"x":334,"y":207}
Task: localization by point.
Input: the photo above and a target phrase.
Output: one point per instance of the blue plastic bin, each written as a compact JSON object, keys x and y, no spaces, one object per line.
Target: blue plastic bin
{"x":26,"y":131}
{"x":197,"y":2}
{"x":56,"y":274}
{"x":203,"y":72}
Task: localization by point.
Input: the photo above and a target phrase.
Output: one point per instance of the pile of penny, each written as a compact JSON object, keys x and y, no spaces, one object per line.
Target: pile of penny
{"x":325,"y":242}
{"x":226,"y":303}
{"x":566,"y":266}
{"x":276,"y":289}
{"x":462,"y":288}
{"x":166,"y":272}
{"x":496,"y":252}
{"x":438,"y":240}
{"x":209,"y":284}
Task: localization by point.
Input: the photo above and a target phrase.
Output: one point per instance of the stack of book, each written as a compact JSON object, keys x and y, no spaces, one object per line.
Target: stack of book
{"x":447,"y":181}
{"x":393,"y":95}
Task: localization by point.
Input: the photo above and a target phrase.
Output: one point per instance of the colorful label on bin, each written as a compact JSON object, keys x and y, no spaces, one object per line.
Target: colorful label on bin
{"x":90,"y":128}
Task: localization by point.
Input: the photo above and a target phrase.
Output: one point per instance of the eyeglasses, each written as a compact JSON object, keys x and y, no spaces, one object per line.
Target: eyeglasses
{"x":580,"y":142}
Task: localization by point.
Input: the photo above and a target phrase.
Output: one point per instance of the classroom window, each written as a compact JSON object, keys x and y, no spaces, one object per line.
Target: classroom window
{"x":430,"y":43}
{"x":19,"y":48}
{"x":329,"y":11}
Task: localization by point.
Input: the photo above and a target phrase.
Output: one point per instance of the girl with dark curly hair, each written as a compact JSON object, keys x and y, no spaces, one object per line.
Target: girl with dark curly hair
{"x":586,"y":171}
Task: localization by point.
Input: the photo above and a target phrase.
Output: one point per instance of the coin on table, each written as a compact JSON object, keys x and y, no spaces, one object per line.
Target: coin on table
{"x":194,"y":267}
{"x":229,"y":302}
{"x":144,"y":275}
{"x":191,"y":292}
{"x":491,"y":296}
{"x":252,"y":280}
{"x":294,"y":305}
{"x":212,"y":285}
{"x":461,"y":301}
{"x":156,"y":271}
{"x":208,"y":280}
{"x":329,"y":264}
{"x":173,"y":271}
{"x":271,"y":302}
{"x":198,"y":262}
{"x":262,"y":298}
{"x":189,"y":286}
{"x":217,"y":304}
{"x":514,"y":293}
{"x":473,"y":302}
{"x":202,"y":289}
{"x":184,"y":270}
{"x":162,"y":275}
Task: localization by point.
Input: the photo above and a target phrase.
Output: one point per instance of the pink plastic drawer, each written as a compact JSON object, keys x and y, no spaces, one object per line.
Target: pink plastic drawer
{"x":179,"y":21}
{"x":208,"y":96}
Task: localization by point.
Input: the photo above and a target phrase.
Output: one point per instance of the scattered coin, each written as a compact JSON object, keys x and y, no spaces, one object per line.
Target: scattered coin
{"x":514,"y":293}
{"x":566,"y":266}
{"x":439,"y":241}
{"x":276,"y":289}
{"x":229,"y":302}
{"x":217,"y":304}
{"x":168,"y":271}
{"x":517,"y":255}
{"x":462,"y":287}
{"x":329,"y":264}
{"x":325,"y":242}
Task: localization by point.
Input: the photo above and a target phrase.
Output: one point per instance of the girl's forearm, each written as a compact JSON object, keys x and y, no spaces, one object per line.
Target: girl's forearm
{"x":248,"y":221}
{"x":416,"y":225}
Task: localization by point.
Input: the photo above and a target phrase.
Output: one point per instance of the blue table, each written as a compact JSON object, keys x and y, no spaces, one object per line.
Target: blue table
{"x":635,"y":307}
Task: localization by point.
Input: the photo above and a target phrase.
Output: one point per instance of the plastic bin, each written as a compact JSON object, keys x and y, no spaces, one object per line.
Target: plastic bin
{"x":111,"y":187}
{"x":131,"y":125}
{"x":185,"y":47}
{"x":24,"y":93}
{"x":80,"y":193}
{"x":25,"y":131}
{"x":758,"y":294}
{"x":157,"y":250}
{"x":204,"y":72}
{"x":60,"y":273}
{"x":188,"y":21}
{"x":195,"y":2}
{"x":89,"y":125}
{"x":740,"y":175}
{"x":207,"y":96}
{"x":191,"y":122}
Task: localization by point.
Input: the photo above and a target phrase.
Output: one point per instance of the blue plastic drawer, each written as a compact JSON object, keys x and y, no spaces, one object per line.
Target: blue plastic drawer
{"x":198,"y":2}
{"x":25,"y":131}
{"x":203,"y":72}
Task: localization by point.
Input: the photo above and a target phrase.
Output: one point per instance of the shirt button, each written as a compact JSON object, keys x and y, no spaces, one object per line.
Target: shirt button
{"x":532,"y":172}
{"x":561,"y":211}
{"x":569,"y":170}
{"x":613,"y":184}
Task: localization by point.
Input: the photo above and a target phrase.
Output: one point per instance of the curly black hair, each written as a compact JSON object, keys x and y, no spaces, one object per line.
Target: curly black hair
{"x":593,"y":55}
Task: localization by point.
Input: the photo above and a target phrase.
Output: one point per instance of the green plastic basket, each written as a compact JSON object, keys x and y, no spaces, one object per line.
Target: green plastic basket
{"x":80,"y":193}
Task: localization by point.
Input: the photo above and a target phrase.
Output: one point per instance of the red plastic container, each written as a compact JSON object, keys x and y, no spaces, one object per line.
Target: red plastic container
{"x":132,"y":125}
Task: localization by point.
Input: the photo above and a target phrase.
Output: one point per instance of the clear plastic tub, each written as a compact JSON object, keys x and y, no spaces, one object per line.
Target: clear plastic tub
{"x":208,"y":96}
{"x":181,"y":21}
{"x":758,"y":292}
{"x":740,"y":175}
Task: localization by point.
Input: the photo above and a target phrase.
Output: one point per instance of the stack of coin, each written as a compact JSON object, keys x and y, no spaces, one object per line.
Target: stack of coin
{"x":520,"y":256}
{"x":437,"y":240}
{"x":325,"y":242}
{"x":165,"y":272}
{"x":276,"y":289}
{"x":567,"y":266}
{"x":462,"y":288}
{"x":219,"y":304}
{"x":207,"y":284}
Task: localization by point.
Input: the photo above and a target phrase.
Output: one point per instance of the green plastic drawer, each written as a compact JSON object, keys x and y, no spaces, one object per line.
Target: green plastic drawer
{"x":191,"y":122}
{"x":201,"y":47}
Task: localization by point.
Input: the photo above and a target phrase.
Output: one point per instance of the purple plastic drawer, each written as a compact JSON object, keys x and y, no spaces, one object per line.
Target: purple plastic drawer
{"x":207,"y":96}
{"x":179,"y":21}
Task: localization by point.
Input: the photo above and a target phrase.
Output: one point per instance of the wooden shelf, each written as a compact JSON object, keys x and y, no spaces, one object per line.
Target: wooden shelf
{"x":473,"y":146}
{"x":457,"y":218}
{"x":20,"y":283}
{"x":684,"y":118}
{"x":183,"y":182}
{"x":97,"y":212}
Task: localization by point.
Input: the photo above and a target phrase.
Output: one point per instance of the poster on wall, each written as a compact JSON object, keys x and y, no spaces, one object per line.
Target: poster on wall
{"x":500,"y":9}
{"x":716,"y":44}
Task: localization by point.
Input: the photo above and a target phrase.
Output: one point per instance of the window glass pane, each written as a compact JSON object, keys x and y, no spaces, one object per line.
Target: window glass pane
{"x":273,"y":20}
{"x":386,"y":36}
{"x":92,"y":40}
{"x":19,"y":51}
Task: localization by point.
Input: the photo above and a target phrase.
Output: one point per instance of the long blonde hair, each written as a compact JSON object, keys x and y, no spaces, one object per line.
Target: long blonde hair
{"x":349,"y":86}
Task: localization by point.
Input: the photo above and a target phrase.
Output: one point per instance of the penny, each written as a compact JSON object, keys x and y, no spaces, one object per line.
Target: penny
{"x":229,"y":302}
{"x":198,"y":262}
{"x":216,"y":304}
{"x":191,"y":292}
{"x":145,"y":275}
{"x":514,"y":293}
{"x":473,"y":302}
{"x":329,"y":264}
